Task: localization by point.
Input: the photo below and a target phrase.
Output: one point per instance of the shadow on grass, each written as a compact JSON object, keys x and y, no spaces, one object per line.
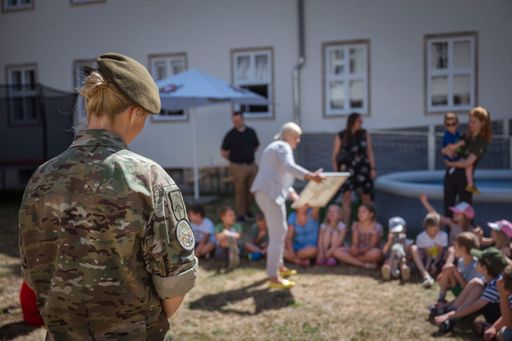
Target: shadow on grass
{"x":13,"y":330}
{"x":264,"y":299}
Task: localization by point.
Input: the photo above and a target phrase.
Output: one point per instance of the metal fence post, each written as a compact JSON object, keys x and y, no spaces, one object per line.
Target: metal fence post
{"x":431,"y":147}
{"x":506,"y":133}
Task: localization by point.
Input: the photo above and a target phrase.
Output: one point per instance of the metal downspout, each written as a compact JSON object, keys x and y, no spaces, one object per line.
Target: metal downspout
{"x":299,"y":65}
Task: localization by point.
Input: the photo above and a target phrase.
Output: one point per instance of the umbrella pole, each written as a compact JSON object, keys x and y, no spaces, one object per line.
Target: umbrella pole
{"x":194,"y":153}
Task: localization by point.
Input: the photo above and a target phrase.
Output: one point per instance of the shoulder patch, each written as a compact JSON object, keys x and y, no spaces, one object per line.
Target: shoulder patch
{"x":178,"y":206}
{"x":184,"y":235}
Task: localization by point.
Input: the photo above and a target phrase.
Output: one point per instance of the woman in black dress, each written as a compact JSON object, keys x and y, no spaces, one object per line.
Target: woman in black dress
{"x":353,"y":152}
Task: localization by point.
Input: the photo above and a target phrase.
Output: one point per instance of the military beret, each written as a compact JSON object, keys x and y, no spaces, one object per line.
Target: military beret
{"x":132,"y":79}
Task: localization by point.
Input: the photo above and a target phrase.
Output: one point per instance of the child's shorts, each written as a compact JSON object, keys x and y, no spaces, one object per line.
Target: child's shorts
{"x":299,"y":246}
{"x":456,"y":290}
{"x":506,"y":333}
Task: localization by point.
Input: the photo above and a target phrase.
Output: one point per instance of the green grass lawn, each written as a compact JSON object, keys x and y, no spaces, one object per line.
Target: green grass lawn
{"x":340,"y":303}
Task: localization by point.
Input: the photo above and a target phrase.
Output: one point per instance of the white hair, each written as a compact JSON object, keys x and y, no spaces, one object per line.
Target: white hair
{"x":288,"y":128}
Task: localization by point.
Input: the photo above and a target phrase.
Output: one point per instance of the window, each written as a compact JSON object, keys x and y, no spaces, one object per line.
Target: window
{"x":346,"y":85}
{"x":15,"y":5}
{"x":22,"y":94}
{"x":163,"y":66}
{"x":253,"y":70}
{"x":79,"y":76}
{"x":451,"y":72}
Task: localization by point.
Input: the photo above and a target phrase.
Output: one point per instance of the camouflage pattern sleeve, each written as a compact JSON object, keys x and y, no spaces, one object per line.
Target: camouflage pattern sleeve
{"x":168,"y":244}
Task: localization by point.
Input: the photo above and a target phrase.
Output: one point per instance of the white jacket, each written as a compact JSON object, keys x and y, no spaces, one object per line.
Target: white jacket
{"x":277,"y":170}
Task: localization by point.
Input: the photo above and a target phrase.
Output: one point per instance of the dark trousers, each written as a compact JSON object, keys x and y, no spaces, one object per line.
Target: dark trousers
{"x":455,"y":189}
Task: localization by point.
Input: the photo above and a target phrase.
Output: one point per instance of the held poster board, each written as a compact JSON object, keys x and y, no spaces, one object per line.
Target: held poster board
{"x":319,"y":194}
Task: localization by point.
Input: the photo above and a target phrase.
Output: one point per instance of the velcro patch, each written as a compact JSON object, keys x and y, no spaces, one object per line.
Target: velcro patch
{"x":184,"y":235}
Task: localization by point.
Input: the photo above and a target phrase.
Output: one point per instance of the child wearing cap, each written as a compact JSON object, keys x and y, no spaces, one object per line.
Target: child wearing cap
{"x":428,"y":252}
{"x":455,"y":278}
{"x":256,"y":238}
{"x":501,"y":232}
{"x":228,"y":234}
{"x":475,"y":298}
{"x":502,"y":328}
{"x":332,"y":235}
{"x":204,"y":230}
{"x":394,"y":251}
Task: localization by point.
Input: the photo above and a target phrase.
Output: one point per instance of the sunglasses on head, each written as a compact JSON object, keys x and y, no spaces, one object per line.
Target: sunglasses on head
{"x":452,"y":124}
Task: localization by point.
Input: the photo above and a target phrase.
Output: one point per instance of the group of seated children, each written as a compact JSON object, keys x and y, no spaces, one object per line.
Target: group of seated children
{"x":464,"y":262}
{"x":227,"y":239}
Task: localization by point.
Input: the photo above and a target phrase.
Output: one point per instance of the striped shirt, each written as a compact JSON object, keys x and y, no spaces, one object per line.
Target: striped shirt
{"x":492,"y":294}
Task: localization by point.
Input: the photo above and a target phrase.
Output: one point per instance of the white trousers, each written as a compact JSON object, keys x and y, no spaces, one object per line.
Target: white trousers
{"x":275,"y":217}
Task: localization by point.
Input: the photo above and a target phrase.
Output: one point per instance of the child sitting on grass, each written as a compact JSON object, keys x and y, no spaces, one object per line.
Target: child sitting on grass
{"x":455,"y":278}
{"x":502,"y":328}
{"x":332,"y":235}
{"x":394,"y":250}
{"x":302,"y":237}
{"x":256,"y":239}
{"x":429,"y":250}
{"x":228,"y":234}
{"x":501,"y":232}
{"x":366,"y":234}
{"x":474,"y":299}
{"x":204,"y":231}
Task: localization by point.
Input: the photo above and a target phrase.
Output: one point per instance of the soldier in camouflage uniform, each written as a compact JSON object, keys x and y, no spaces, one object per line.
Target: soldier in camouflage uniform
{"x":104,"y":238}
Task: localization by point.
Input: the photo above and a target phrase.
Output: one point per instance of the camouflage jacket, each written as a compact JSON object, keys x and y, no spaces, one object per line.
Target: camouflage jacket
{"x":103,"y":236}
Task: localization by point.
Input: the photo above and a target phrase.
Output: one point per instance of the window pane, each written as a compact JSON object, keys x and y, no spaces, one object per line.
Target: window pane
{"x":16,"y":109}
{"x":30,"y":79}
{"x":16,"y":80}
{"x":357,"y":60}
{"x":356,"y":93}
{"x":11,"y":3}
{"x":439,"y":90}
{"x":336,"y":61}
{"x":26,"y":2}
{"x":30,"y":108}
{"x":260,"y":90}
{"x":242,"y":66}
{"x":160,"y":69}
{"x":461,"y":51}
{"x":440,"y":55}
{"x":262,"y":67}
{"x":177,"y":66}
{"x":337,"y":92}
{"x":461,"y":90}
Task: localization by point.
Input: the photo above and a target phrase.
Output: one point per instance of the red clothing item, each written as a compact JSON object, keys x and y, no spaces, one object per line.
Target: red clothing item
{"x":29,"y":307}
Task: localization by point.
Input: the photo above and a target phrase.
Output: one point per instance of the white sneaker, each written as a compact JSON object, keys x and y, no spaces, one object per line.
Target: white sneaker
{"x":428,"y":282}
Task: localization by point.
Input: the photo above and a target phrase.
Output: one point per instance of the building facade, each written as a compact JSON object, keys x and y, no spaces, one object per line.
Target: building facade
{"x":399,"y":63}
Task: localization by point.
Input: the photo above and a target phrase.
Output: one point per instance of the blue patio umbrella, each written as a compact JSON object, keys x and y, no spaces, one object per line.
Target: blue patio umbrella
{"x":191,"y":89}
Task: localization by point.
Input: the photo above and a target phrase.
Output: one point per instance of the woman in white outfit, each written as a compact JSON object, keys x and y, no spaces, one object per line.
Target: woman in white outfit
{"x":272,"y":186}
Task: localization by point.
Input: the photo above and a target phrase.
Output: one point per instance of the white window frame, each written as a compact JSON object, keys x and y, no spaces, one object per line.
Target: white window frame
{"x":18,"y":6}
{"x":346,"y":77}
{"x":450,"y":71}
{"x":269,"y":82}
{"x":25,"y":93}
{"x":79,"y":76}
{"x":168,"y":59}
